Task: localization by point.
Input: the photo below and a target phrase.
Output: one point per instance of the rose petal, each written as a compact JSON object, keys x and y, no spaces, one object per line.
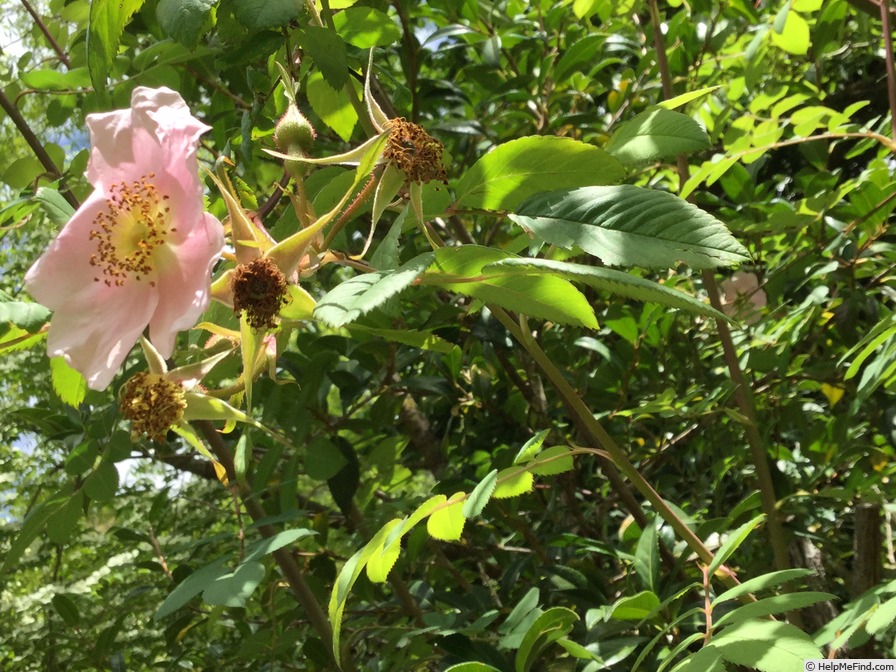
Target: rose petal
{"x":144,"y":153}
{"x":90,"y":345}
{"x":184,"y":290}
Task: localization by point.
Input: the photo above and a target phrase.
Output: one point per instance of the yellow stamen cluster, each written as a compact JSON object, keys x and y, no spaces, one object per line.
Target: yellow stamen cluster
{"x":415,"y":152}
{"x":133,"y":225}
{"x":259,"y":288}
{"x":153,"y":404}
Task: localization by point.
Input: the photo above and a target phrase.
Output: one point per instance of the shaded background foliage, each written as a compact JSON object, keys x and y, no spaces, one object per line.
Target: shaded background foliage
{"x":377,"y":425}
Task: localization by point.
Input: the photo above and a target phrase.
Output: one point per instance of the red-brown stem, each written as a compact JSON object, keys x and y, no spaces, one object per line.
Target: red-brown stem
{"x":359,"y":200}
{"x":36,"y":145}
{"x":707,"y":605}
{"x":43,"y":28}
{"x":891,"y":69}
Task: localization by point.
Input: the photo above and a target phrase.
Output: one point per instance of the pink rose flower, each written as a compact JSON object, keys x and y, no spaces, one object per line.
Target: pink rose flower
{"x":140,"y":250}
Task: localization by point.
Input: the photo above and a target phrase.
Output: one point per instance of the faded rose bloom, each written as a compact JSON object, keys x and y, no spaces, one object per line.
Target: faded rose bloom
{"x":742,"y":298}
{"x":140,"y":250}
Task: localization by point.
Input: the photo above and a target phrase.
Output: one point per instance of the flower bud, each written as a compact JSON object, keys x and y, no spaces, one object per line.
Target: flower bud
{"x":294,"y":131}
{"x":294,"y":135}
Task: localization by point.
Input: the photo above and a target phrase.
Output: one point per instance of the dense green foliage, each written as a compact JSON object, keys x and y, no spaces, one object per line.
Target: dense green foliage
{"x":544,"y":411}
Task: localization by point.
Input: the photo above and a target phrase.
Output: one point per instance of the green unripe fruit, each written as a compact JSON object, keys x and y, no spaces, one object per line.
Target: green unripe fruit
{"x":294,"y":135}
{"x":294,"y":131}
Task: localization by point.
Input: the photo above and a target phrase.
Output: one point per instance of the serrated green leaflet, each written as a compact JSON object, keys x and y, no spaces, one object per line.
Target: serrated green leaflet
{"x":361,"y":294}
{"x":777,"y":604}
{"x":630,"y":226}
{"x":446,"y":523}
{"x":184,"y":20}
{"x":636,"y":607}
{"x":331,"y":105}
{"x":328,"y":51}
{"x":106,"y":23}
{"x":541,"y":296}
{"x":366,"y":27}
{"x":384,"y":556}
{"x":417,"y":339}
{"x":480,"y":495}
{"x":531,"y":448}
{"x":28,"y":316}
{"x":102,"y":483}
{"x":552,"y":461}
{"x":657,"y":133}
{"x":883,"y":617}
{"x":54,"y":205}
{"x":761,"y":582}
{"x":55,"y":80}
{"x":647,"y":557}
{"x":69,"y":384}
{"x":609,"y":280}
{"x":783,"y":647}
{"x":257,"y":15}
{"x":512,"y":172}
{"x":734,"y":540}
{"x":63,"y":524}
{"x":513,"y":482}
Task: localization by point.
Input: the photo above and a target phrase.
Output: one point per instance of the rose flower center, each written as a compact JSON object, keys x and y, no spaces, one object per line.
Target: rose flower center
{"x":134,"y":223}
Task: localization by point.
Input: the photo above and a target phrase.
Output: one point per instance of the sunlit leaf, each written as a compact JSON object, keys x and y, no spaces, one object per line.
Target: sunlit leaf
{"x":447,"y":522}
{"x":552,"y":461}
{"x":543,"y":296}
{"x":480,"y":495}
{"x":610,"y":281}
{"x":784,"y":647}
{"x":355,"y":297}
{"x":657,"y":133}
{"x":105,"y":26}
{"x":366,"y":27}
{"x":630,"y":226}
{"x":510,"y":173}
{"x":513,"y":482}
{"x":69,"y":384}
{"x":733,"y":542}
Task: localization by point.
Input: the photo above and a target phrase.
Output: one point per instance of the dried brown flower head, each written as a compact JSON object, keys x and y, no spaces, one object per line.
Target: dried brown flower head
{"x":153,"y":404}
{"x":413,"y":151}
{"x":259,"y":288}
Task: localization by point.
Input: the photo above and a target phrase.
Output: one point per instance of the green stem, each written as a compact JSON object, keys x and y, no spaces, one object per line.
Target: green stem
{"x":595,"y":433}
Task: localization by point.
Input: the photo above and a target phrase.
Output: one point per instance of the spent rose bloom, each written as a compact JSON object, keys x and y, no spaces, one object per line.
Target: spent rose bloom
{"x":140,"y":250}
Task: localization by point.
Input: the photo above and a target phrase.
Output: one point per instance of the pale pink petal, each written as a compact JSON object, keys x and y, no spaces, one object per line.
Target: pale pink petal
{"x":111,"y":152}
{"x":97,"y":342}
{"x":62,"y":278}
{"x":184,"y":288}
